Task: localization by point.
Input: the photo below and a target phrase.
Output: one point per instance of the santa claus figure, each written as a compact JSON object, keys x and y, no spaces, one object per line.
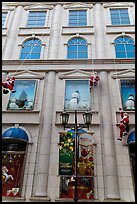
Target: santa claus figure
{"x":94,"y":80}
{"x":124,"y":124}
{"x":8,"y":85}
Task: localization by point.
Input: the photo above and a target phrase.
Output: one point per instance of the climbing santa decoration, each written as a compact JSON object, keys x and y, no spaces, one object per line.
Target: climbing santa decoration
{"x":94,"y":79}
{"x":124,"y":124}
{"x":8,"y":85}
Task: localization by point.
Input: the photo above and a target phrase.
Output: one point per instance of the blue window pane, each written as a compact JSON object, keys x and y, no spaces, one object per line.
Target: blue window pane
{"x":35,"y":56}
{"x":119,"y":40}
{"x":123,"y":11}
{"x":72,"y":48}
{"x":72,"y":41}
{"x":36,"y":19}
{"x":130,"y":47}
{"x":131,"y":54}
{"x":114,"y":11}
{"x":121,"y":55}
{"x":4,"y":16}
{"x":72,"y":55}
{"x":73,"y":21}
{"x":82,"y":55}
{"x":73,"y":13}
{"x":82,"y":48}
{"x":119,"y":16}
{"x":115,"y":21}
{"x":24,"y":56}
{"x":36,"y":49}
{"x":32,"y":48}
{"x":120,"y":47}
{"x":82,"y":23}
{"x":77,"y":18}
{"x":77,"y":49}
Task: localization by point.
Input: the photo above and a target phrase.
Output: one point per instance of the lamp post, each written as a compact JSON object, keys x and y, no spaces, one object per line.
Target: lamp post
{"x":87,"y":117}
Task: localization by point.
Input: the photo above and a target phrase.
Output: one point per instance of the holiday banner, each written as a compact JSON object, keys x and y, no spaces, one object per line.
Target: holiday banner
{"x":66,"y":154}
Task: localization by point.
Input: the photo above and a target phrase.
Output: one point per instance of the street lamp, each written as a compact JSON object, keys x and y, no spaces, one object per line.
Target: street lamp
{"x":87,"y":117}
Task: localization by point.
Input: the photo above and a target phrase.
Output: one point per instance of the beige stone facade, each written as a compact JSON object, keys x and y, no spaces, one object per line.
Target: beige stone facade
{"x":113,"y":179}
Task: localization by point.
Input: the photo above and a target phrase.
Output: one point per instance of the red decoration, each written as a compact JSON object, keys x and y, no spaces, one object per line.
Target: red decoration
{"x":8,"y":85}
{"x":124,"y":124}
{"x":84,"y":153}
{"x":94,"y":80}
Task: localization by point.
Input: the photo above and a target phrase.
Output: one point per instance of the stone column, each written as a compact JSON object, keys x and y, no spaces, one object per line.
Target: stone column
{"x":99,"y":31}
{"x":45,"y":137}
{"x":12,"y":33}
{"x":55,"y":32}
{"x":4,"y":75}
{"x":107,"y":137}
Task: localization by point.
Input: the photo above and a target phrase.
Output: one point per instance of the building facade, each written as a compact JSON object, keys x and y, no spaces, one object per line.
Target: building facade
{"x":54,"y":50}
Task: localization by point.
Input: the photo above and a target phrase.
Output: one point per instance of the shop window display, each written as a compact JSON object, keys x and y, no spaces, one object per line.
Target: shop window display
{"x":13,"y":156}
{"x":85,"y":181}
{"x":77,"y":95}
{"x":128,"y":94}
{"x":24,"y":96}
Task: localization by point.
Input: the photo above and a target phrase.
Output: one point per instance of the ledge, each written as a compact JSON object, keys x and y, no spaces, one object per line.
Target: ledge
{"x":68,"y":61}
{"x":22,"y":116}
{"x":27,"y":31}
{"x":41,"y":199}
{"x":83,"y":30}
{"x":12,"y":199}
{"x":95,"y":118}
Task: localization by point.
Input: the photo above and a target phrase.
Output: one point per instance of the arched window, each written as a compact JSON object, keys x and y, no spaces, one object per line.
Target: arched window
{"x":31,"y":49}
{"x":77,"y":48}
{"x":14,"y":144}
{"x":124,"y":47}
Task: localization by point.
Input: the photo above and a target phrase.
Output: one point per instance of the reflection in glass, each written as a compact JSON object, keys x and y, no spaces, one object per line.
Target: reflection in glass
{"x":77,"y":94}
{"x":23,"y":98}
{"x":128,"y":94}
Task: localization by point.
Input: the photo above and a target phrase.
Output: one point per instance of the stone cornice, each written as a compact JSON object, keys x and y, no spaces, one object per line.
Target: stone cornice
{"x":66,"y":61}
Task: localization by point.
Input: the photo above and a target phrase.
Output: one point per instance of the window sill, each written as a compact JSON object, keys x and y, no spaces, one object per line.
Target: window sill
{"x":71,"y":200}
{"x":38,"y":198}
{"x":20,"y":110}
{"x":126,"y":25}
{"x":12,"y":199}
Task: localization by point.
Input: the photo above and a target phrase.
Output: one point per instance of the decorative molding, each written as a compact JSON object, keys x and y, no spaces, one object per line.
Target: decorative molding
{"x":77,"y":5}
{"x":27,"y":74}
{"x":116,"y":4}
{"x":129,"y":73}
{"x":7,"y":8}
{"x":39,"y":6}
{"x":76,"y":74}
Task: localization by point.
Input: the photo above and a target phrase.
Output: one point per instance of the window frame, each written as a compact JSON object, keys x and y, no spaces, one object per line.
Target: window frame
{"x":5,"y":22}
{"x":119,"y":16}
{"x":77,"y":44}
{"x":20,"y":181}
{"x":36,"y":11}
{"x":125,"y":51}
{"x":76,"y":24}
{"x":80,"y":109}
{"x":31,"y":49}
{"x":81,"y":174}
{"x":34,"y":96}
{"x":121,"y":94}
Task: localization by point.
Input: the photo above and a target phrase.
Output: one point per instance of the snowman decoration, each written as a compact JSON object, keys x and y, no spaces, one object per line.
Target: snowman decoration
{"x":13,"y":104}
{"x":130,"y":103}
{"x":75,"y":100}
